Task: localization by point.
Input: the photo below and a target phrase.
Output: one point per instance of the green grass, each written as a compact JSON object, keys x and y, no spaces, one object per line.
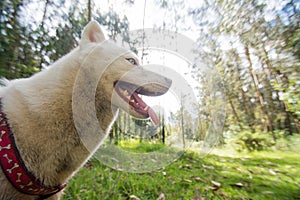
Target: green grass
{"x":140,"y":147}
{"x":259,"y":175}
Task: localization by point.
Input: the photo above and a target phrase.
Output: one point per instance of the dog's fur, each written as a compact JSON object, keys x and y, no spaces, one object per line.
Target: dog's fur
{"x":39,"y":110}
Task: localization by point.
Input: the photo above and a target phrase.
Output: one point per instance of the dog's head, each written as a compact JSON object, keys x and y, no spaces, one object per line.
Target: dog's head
{"x":123,"y":81}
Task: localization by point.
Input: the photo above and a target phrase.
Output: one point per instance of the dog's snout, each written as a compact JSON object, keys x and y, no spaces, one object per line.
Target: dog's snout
{"x":168,"y":82}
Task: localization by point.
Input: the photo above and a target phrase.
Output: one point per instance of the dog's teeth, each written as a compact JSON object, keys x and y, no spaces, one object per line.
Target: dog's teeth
{"x":132,"y":100}
{"x":146,"y":108}
{"x":126,"y":94}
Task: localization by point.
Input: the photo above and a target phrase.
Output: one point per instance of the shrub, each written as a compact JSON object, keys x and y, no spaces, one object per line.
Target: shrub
{"x":254,"y":141}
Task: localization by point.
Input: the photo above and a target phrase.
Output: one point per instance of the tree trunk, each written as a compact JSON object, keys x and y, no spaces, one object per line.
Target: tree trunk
{"x":267,"y":121}
{"x":163,"y":135}
{"x":182,"y":121}
{"x":235,"y":114}
{"x":282,"y":104}
{"x":89,"y":10}
{"x":250,"y":118}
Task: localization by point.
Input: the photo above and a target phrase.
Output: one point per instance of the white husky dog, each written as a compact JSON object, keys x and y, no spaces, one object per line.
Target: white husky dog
{"x":40,"y":147}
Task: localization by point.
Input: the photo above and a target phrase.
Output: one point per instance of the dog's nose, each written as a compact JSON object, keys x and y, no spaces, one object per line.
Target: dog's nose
{"x":168,"y":82}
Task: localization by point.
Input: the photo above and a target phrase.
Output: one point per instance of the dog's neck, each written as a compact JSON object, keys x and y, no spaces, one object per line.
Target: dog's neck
{"x":52,"y":149}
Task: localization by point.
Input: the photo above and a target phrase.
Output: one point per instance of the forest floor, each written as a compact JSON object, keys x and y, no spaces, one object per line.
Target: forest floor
{"x":258,"y":175}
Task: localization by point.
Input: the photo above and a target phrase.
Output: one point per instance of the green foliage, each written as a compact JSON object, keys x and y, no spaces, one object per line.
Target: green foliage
{"x":254,"y":141}
{"x":18,"y":48}
{"x":288,"y":143}
{"x":291,"y":97}
{"x":295,"y":42}
{"x":28,"y":45}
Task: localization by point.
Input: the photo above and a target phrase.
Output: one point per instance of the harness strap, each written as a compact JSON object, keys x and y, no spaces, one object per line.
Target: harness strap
{"x":14,"y":168}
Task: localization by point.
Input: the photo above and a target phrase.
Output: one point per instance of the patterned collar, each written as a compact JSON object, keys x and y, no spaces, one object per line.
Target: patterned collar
{"x":14,"y":167}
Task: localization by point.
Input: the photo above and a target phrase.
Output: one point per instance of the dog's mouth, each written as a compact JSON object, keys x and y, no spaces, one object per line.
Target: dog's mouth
{"x":131,"y":94}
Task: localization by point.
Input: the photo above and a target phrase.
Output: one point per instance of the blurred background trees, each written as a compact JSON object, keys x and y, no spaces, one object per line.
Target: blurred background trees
{"x":253,"y":45}
{"x":36,"y":33}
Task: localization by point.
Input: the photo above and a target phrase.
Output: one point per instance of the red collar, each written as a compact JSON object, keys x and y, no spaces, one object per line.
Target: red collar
{"x":14,"y":167}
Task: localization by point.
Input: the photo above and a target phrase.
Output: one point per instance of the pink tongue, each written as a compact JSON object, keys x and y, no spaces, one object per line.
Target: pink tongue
{"x":153,"y":116}
{"x":150,"y":111}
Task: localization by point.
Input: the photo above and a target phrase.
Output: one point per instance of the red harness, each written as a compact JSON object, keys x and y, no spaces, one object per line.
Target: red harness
{"x":14,"y":167}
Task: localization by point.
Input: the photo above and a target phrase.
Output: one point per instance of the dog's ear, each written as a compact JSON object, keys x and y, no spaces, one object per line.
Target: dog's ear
{"x":92,"y":33}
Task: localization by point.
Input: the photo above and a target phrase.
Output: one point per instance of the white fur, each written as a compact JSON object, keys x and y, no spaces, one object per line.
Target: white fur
{"x":39,"y":110}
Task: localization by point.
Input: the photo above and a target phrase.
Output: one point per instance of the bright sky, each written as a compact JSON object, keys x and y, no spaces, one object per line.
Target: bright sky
{"x":154,"y":15}
{"x":171,"y":101}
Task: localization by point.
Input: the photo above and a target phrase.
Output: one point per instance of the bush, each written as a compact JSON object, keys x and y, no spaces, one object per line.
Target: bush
{"x":288,"y":143}
{"x":254,"y":141}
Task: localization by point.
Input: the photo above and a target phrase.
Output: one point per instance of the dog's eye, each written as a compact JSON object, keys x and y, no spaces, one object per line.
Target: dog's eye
{"x":132,"y":61}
